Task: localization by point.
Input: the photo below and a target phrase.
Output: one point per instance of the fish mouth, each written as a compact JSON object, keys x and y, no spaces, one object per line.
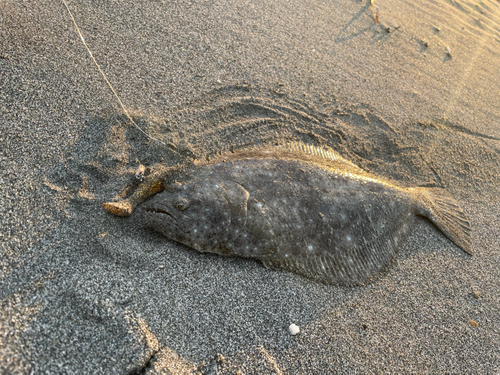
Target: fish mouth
{"x":155,"y":212}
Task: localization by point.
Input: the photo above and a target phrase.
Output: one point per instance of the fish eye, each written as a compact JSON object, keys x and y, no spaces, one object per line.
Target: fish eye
{"x":181,"y":204}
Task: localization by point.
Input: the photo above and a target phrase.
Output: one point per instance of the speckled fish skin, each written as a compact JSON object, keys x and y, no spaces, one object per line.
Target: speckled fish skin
{"x":322,"y":218}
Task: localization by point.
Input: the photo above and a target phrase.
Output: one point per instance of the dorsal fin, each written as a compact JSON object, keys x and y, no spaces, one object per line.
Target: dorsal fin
{"x":293,"y":150}
{"x":323,"y":152}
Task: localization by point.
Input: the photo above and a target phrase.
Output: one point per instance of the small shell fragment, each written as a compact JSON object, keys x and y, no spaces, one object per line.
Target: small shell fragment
{"x":294,"y":329}
{"x":140,"y":171}
{"x":473,"y":324}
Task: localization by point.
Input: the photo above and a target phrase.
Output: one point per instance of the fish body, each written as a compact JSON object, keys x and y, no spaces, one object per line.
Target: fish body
{"x":302,"y":209}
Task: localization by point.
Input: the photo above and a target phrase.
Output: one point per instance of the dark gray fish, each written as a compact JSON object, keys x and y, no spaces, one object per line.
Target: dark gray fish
{"x":299,"y":208}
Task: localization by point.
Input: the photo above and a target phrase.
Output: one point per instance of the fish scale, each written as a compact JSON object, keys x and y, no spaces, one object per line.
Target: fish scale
{"x":295,"y":207}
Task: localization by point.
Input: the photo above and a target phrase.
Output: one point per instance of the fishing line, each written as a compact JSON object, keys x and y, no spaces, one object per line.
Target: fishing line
{"x":105,"y":78}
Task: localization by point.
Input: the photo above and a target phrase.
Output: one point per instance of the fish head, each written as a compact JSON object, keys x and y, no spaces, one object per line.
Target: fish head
{"x":202,"y":214}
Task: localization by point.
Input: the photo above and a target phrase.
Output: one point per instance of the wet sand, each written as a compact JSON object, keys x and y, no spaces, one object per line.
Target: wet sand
{"x":412,"y":98}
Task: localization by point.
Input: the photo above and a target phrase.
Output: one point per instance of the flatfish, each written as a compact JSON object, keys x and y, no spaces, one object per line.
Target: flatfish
{"x":295,"y":207}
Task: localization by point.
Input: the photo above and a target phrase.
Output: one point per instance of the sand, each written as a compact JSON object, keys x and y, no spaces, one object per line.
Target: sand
{"x":86,"y":292}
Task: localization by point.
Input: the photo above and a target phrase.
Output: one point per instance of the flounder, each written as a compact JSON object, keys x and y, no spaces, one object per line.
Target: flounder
{"x":295,"y":207}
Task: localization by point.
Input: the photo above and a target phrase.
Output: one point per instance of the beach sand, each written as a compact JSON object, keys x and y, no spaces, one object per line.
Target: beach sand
{"x":412,"y":98}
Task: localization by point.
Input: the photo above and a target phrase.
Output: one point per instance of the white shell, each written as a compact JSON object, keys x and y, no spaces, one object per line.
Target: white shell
{"x":294,"y":329}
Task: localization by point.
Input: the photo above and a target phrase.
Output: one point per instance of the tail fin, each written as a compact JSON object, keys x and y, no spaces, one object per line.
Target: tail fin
{"x":442,"y":209}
